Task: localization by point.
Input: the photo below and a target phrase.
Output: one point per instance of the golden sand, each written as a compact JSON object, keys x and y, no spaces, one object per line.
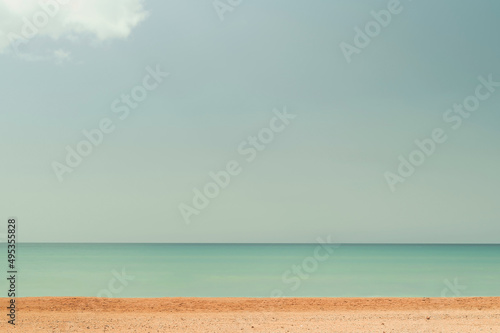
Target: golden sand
{"x":82,"y":314}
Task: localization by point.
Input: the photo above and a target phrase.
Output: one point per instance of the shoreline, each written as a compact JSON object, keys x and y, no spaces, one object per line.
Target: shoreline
{"x":191,"y":314}
{"x":218,"y":304}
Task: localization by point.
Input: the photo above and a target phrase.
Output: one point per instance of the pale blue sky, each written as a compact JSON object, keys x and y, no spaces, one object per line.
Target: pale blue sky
{"x":323,"y":175}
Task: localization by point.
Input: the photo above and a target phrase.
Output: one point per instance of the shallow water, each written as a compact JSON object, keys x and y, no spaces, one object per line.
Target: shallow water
{"x":256,"y":270}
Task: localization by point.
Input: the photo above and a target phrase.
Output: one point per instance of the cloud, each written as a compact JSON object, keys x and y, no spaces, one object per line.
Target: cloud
{"x":62,"y":56}
{"x":22,"y":22}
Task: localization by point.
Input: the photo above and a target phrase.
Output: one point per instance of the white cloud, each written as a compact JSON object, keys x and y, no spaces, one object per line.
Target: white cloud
{"x":62,"y":56}
{"x":23,"y":21}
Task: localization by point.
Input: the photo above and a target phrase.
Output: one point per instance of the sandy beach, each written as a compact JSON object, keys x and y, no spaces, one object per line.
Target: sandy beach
{"x":82,"y":314}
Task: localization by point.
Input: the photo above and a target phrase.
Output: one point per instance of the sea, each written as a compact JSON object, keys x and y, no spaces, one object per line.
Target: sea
{"x":254,"y":270}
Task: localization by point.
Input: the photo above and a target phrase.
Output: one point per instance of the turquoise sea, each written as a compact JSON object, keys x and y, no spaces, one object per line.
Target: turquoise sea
{"x":255,"y":270}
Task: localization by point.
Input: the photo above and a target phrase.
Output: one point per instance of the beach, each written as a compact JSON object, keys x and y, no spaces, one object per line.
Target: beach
{"x":91,"y":314}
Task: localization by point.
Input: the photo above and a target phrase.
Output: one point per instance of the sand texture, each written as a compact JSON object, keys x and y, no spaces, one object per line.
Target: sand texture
{"x":82,"y":314}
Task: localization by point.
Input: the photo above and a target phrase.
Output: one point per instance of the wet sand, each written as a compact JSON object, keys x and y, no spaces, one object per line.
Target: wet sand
{"x":82,"y":314}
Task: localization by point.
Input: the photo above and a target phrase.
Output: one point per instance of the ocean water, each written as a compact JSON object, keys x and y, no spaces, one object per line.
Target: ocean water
{"x":255,"y":270}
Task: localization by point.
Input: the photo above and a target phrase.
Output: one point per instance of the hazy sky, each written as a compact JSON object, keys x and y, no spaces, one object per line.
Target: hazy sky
{"x":323,"y":174}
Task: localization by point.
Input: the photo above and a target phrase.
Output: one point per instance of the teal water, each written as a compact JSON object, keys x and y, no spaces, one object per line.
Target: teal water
{"x":259,"y":270}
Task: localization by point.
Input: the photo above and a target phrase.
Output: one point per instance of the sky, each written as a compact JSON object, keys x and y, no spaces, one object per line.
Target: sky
{"x":308,"y":112}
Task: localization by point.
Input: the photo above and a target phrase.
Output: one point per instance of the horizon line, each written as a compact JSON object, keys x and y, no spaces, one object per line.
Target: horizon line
{"x":253,"y":243}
